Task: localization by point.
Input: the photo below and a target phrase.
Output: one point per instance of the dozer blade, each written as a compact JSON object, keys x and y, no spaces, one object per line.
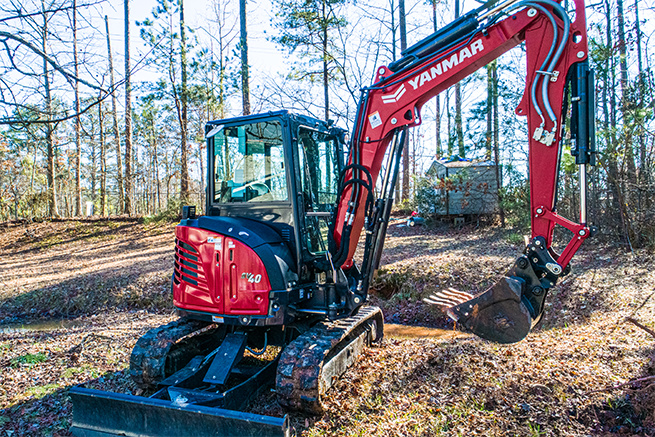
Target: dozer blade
{"x":498,"y":314}
{"x":102,"y":414}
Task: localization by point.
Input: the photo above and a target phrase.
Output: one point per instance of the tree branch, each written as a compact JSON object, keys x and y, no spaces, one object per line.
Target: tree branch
{"x":69,"y":77}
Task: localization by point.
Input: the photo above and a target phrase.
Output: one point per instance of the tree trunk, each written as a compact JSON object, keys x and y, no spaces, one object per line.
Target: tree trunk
{"x":114,"y":113}
{"x":458,"y":106}
{"x":201,"y":165}
{"x":626,"y":103}
{"x":644,"y":199}
{"x":449,"y":124}
{"x":78,"y":146}
{"x":396,"y":197}
{"x":609,"y":113}
{"x":490,"y":97}
{"x":93,"y":170}
{"x":103,"y":163}
{"x":326,"y":94}
{"x":50,"y":140}
{"x":393,"y":30}
{"x":243,"y":42}
{"x":403,"y":46}
{"x":128,"y":114}
{"x":438,"y":102}
{"x":184,"y":169}
{"x":496,"y":139}
{"x":156,"y":165}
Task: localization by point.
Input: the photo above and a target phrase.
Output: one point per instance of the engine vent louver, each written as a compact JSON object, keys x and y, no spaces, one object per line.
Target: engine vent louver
{"x":186,"y":246}
{"x":286,"y":235}
{"x":188,"y":267}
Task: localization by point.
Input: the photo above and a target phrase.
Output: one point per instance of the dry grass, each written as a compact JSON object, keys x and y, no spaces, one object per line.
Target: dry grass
{"x":72,"y":268}
{"x":449,"y":385}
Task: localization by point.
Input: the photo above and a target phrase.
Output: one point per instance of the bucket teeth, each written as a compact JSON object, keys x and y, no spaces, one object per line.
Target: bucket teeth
{"x":498,"y":314}
{"x":448,"y":298}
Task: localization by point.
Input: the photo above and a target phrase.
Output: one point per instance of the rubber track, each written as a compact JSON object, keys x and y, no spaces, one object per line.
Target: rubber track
{"x":148,"y":357}
{"x":301,"y":362}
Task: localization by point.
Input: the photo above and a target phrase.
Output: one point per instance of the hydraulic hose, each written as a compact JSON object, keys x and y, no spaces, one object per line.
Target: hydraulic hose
{"x":533,"y":88}
{"x":558,"y":54}
{"x":561,"y":12}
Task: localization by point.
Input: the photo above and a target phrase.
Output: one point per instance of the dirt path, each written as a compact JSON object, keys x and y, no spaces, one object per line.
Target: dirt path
{"x":72,"y":268}
{"x":114,"y":278}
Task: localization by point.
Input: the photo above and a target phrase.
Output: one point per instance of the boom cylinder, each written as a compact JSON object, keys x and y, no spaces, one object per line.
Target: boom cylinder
{"x":438,"y":40}
{"x":583,"y":132}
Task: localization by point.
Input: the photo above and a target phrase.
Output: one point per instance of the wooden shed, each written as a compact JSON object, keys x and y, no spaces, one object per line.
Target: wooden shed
{"x":465,"y":187}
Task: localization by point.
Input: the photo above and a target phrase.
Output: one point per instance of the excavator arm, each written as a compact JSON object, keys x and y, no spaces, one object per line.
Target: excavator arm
{"x":556,"y":59}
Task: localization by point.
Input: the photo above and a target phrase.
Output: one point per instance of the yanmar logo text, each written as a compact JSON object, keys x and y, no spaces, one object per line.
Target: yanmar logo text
{"x":436,"y":70}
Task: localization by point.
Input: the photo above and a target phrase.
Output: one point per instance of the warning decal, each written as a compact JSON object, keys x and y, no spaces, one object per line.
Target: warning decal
{"x":375,"y":120}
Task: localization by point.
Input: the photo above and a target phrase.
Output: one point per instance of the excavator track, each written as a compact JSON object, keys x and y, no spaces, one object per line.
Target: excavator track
{"x":311,"y":363}
{"x":173,"y":341}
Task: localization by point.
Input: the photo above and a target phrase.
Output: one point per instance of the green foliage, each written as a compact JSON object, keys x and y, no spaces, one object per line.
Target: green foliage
{"x":306,"y":28}
{"x":429,"y":193}
{"x":427,"y":196}
{"x":72,"y":371}
{"x":172,"y":213}
{"x":515,"y":200}
{"x":390,"y":282}
{"x":515,"y":239}
{"x":41,"y":390}
{"x":304,"y":25}
{"x":29,"y":359}
{"x":404,"y":208}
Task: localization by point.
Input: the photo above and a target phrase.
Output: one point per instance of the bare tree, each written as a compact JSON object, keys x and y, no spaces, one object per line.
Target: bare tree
{"x":103,"y":162}
{"x":184,"y":122}
{"x":243,"y":45}
{"x":78,"y":146}
{"x":114,"y":113}
{"x":403,"y":46}
{"x":458,"y":106}
{"x":128,"y":114}
{"x":49,"y":127}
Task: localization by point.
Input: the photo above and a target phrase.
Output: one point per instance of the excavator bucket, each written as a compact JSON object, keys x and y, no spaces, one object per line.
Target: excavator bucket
{"x":103,"y":414}
{"x":499,"y":314}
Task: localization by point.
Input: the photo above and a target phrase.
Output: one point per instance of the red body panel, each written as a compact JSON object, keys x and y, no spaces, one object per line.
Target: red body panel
{"x":398,"y":103}
{"x":229,"y":278}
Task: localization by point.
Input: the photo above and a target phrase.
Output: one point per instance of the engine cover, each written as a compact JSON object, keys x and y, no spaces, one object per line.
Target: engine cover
{"x":227,"y":270}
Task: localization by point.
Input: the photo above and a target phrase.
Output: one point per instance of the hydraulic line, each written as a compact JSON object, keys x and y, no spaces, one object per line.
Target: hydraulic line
{"x":341,"y":252}
{"x":558,"y":54}
{"x":261,"y":352}
{"x":541,"y":71}
{"x":560,"y":49}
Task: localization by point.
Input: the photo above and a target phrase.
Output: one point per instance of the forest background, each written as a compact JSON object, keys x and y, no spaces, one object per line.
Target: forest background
{"x":106,"y":106}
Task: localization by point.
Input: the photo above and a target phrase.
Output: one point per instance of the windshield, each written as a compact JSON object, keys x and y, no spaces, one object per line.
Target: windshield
{"x":249,"y":163}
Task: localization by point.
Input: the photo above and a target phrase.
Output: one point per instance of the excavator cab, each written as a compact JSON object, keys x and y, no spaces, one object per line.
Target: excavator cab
{"x":282,"y":170}
{"x":259,"y":256}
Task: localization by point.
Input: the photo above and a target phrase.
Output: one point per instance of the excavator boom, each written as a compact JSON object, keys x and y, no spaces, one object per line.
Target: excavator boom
{"x":557,"y":52}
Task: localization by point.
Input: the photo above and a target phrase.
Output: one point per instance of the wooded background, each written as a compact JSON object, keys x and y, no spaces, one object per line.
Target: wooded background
{"x":79,"y":123}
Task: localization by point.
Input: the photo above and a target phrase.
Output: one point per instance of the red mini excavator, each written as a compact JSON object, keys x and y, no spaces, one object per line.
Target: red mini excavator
{"x":265,"y":284}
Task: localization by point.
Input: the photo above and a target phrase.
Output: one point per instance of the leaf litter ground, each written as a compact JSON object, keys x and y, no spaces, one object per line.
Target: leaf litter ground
{"x":109,"y":279}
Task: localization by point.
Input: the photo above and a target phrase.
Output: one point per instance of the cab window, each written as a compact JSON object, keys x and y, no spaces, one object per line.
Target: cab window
{"x":249,"y":164}
{"x":319,"y":174}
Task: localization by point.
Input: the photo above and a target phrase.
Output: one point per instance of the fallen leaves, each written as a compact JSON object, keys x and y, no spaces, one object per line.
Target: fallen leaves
{"x":418,"y":382}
